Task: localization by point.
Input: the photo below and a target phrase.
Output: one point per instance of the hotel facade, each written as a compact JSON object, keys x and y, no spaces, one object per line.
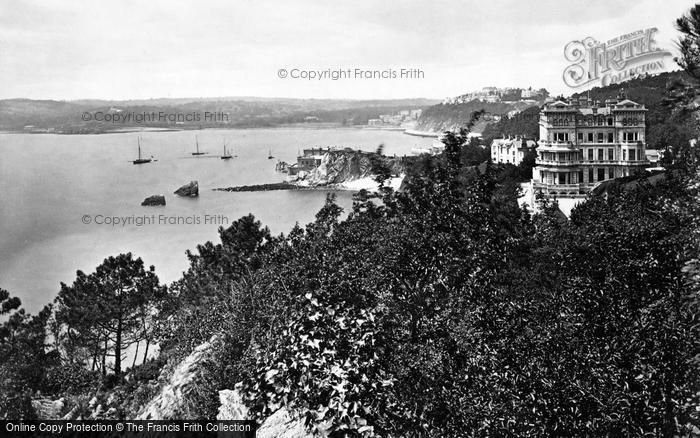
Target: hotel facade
{"x":583,"y":143}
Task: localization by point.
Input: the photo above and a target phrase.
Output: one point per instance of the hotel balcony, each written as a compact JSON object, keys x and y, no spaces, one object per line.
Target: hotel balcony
{"x":594,"y":162}
{"x":553,"y":146}
{"x":579,"y":190}
{"x":545,"y":162}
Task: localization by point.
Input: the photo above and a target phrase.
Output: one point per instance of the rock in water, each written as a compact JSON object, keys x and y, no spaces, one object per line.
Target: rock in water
{"x":191,"y":190}
{"x":154,"y":200}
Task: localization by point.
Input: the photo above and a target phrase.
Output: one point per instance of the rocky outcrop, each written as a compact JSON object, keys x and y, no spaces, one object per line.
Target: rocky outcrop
{"x":154,"y":200}
{"x":338,"y":167}
{"x":171,"y":402}
{"x":189,"y":190}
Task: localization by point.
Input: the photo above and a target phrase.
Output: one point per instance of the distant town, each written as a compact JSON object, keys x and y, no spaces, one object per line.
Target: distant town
{"x":505,"y":95}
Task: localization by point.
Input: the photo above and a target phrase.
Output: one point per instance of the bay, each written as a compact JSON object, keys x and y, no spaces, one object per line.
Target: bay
{"x":49,"y":183}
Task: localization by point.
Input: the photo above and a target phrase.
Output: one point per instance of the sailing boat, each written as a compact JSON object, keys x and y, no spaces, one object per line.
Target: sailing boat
{"x":140,"y":160}
{"x":269,"y":155}
{"x":197,"y":144}
{"x":226,"y":155}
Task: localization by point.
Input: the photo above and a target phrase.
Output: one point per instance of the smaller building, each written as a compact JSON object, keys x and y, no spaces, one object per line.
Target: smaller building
{"x":507,"y":150}
{"x":311,"y":158}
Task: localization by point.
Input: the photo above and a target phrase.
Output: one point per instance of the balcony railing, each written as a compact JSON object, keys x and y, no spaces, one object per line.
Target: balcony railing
{"x":568,"y":145}
{"x":568,"y":190}
{"x":558,"y":162}
{"x":614,"y":162}
{"x":579,"y":190}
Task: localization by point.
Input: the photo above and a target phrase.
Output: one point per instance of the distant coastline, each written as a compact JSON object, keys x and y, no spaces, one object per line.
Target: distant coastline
{"x":317,"y":126}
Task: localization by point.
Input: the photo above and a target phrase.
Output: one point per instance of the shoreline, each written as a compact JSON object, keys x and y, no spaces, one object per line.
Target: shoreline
{"x":417,"y":133}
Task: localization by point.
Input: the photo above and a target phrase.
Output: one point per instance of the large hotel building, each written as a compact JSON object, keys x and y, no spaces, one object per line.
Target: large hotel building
{"x":583,"y":143}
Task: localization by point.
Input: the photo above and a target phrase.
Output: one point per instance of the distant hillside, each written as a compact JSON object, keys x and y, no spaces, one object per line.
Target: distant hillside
{"x":453,"y":116}
{"x":70,"y":117}
{"x":523,"y":124}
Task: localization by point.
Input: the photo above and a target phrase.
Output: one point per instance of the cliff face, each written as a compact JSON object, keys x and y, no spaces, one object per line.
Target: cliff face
{"x":451,"y":117}
{"x":338,"y":167}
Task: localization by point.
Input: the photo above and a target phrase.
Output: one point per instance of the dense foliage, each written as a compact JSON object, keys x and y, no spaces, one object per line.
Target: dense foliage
{"x":445,"y":310}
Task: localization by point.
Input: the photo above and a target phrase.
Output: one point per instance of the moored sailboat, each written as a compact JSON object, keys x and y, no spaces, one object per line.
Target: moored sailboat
{"x":196,"y":141}
{"x":226,"y":155}
{"x":141,"y":160}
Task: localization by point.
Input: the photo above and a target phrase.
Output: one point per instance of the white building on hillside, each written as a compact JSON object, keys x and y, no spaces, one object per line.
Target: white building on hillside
{"x":506,"y":150}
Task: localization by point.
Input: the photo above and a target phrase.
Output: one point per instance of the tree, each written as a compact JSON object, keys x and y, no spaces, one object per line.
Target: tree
{"x":24,"y":359}
{"x":101,"y":314}
{"x":689,"y":42}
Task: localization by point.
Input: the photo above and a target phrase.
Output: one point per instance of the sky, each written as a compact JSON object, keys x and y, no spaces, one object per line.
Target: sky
{"x":128,"y":49}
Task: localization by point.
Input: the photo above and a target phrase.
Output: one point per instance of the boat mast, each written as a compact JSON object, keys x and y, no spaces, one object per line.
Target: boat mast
{"x":139,"y":141}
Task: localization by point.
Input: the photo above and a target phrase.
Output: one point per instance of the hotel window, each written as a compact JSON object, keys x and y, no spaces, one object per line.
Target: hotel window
{"x":630,"y":136}
{"x":632,"y":155}
{"x":610,"y":154}
{"x":590,"y":154}
{"x":600,"y":154}
{"x":590,"y":137}
{"x":590,"y":175}
{"x":600,"y":137}
{"x":610,"y":121}
{"x":611,"y":137}
{"x":580,"y":176}
{"x":601,"y":174}
{"x":562,"y":179}
{"x":580,"y":136}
